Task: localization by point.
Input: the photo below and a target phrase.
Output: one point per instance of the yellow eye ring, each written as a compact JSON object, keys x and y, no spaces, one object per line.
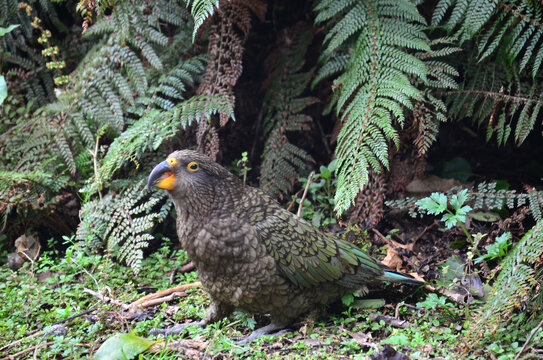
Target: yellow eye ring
{"x":193,"y":166}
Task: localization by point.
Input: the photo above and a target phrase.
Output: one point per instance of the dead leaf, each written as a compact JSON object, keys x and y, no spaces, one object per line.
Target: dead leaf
{"x":417,"y":276}
{"x":398,"y":245}
{"x":393,"y":259}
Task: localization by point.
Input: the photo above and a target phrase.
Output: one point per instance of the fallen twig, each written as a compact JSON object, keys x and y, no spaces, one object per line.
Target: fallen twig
{"x":161,"y":294}
{"x":172,"y":276}
{"x":534,"y":331}
{"x":299,"y":213}
{"x":416,"y":238}
{"x":22,"y":352}
{"x":390,"y":320}
{"x":293,"y":200}
{"x":75,"y":316}
{"x":39,"y":332}
{"x":106,"y":299}
{"x":188,"y":268}
{"x":33,"y":334}
{"x":362,"y":342}
{"x":36,"y":347}
{"x":163,"y":299}
{"x":94,"y":155}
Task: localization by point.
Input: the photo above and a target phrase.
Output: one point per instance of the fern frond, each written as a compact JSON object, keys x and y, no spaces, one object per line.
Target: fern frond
{"x":201,"y":10}
{"x":485,"y":196}
{"x":517,"y":284}
{"x":283,"y":162}
{"x":111,"y":84}
{"x":148,"y":133}
{"x":375,"y":86}
{"x":123,"y":222}
{"x":506,"y":29}
{"x":490,"y":97}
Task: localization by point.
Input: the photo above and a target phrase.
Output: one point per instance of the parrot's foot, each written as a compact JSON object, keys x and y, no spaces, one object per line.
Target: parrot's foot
{"x":175,"y":330}
{"x":265,"y":330}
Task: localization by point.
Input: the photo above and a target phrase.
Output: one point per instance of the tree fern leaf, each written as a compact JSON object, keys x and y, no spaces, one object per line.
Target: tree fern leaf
{"x":327,"y":9}
{"x":156,"y":37}
{"x":149,"y":54}
{"x":375,"y":86}
{"x":530,"y":49}
{"x":440,"y":11}
{"x":537,"y":61}
{"x":101,"y":27}
{"x":405,"y":11}
{"x":122,"y":87}
{"x":332,"y":66}
{"x":457,"y":14}
{"x":346,"y":27}
{"x":201,"y":10}
{"x":524,"y":125}
{"x":477,"y":14}
{"x":519,"y":42}
{"x":66,"y":153}
{"x":497,"y":39}
{"x":134,"y":69}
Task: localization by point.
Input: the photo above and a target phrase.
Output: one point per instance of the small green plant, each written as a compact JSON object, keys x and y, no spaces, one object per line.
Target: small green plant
{"x":319,"y":206}
{"x":434,"y":301}
{"x":242,"y":166}
{"x":3,"y":85}
{"x":498,"y":249}
{"x":348,"y":299}
{"x":437,"y":204}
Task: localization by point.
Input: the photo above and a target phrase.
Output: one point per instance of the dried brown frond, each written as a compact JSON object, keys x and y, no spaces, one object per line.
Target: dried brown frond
{"x":258,"y":7}
{"x":368,"y":208}
{"x":425,"y":128}
{"x":408,"y":162}
{"x":225,"y":47}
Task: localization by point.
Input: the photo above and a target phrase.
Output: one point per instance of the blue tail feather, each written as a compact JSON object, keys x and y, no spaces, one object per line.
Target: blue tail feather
{"x":393,"y":276}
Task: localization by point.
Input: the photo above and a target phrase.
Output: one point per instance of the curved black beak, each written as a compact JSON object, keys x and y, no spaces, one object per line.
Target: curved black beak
{"x":160,"y":173}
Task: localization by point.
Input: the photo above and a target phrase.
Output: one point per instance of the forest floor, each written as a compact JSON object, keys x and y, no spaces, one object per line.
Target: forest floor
{"x":67,"y":305}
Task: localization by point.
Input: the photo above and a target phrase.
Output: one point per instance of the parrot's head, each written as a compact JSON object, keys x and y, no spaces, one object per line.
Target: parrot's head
{"x":187,"y":174}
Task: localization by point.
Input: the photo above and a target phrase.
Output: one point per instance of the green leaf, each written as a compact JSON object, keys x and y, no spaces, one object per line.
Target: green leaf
{"x":399,"y":339}
{"x":368,"y":304}
{"x":450,"y":220}
{"x":3,"y":89}
{"x":433,"y":300}
{"x":484,"y":216}
{"x":461,"y":213}
{"x":122,"y":347}
{"x":498,"y":249}
{"x":325,"y":173}
{"x":435,"y":204}
{"x":459,"y":199}
{"x":347,"y":299}
{"x":4,"y":31}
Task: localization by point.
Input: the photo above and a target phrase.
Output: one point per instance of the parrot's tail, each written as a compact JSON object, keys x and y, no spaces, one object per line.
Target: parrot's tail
{"x":393,"y":276}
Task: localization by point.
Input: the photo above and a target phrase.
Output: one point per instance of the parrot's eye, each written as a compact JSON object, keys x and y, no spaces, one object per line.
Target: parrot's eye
{"x":193,"y":166}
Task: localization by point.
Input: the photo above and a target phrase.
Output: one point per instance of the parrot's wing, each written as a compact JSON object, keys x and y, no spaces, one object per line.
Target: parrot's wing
{"x":307,"y":256}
